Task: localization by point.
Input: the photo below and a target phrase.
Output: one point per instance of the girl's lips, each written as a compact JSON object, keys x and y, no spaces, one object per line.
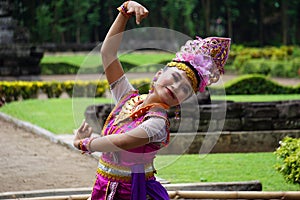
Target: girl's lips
{"x":170,"y":93}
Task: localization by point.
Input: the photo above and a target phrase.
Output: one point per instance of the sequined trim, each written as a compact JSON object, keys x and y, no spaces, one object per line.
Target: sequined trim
{"x":120,"y":173}
{"x":117,"y":82}
{"x":112,"y":190}
{"x":113,"y":112}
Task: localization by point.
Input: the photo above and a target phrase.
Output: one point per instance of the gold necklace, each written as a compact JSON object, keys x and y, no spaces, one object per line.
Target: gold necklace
{"x":129,"y":107}
{"x":130,"y":111}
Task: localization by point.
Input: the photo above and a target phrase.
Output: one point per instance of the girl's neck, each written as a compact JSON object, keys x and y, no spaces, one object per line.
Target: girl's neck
{"x":151,"y":99}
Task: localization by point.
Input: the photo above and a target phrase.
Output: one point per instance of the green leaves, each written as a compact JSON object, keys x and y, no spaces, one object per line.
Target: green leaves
{"x":289,"y":155}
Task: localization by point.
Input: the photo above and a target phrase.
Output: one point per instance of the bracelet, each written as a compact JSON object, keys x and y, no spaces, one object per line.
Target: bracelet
{"x":89,"y":144}
{"x":84,"y":145}
{"x":123,"y":9}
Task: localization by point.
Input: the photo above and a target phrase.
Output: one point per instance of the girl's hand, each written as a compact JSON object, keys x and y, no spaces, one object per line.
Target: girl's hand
{"x":84,"y":131}
{"x":138,"y":10}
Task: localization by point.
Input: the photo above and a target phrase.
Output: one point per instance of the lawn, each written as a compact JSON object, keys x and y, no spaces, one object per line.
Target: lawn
{"x":62,"y":116}
{"x":257,"y":98}
{"x":93,"y":59}
{"x":229,"y":167}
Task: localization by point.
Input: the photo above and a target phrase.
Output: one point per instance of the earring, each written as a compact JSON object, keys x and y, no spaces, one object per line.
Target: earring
{"x":177,"y":110}
{"x":152,"y":85}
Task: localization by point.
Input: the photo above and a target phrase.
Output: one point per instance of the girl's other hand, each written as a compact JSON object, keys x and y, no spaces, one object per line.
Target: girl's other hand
{"x":84,"y":131}
{"x":138,"y":10}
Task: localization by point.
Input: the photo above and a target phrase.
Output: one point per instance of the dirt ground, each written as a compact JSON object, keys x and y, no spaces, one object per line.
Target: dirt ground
{"x":31,"y":162}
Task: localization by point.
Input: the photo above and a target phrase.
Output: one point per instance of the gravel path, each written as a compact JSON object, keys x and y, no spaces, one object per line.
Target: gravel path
{"x":31,"y":162}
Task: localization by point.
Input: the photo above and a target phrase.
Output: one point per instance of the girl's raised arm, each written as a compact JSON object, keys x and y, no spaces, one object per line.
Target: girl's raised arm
{"x":111,"y":64}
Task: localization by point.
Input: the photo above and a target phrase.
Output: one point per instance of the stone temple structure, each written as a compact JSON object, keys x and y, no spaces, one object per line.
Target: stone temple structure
{"x":17,"y":55}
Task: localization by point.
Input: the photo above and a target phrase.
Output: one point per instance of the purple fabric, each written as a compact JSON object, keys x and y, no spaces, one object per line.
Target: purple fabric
{"x":140,"y":187}
{"x":156,"y":191}
{"x":135,"y":191}
{"x":138,"y":184}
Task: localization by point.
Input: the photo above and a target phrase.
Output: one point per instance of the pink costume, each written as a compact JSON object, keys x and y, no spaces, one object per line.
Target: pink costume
{"x":129,"y":174}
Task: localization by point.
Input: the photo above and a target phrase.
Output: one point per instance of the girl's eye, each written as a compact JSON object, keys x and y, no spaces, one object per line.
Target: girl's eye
{"x":185,"y":89}
{"x":176,"y":78}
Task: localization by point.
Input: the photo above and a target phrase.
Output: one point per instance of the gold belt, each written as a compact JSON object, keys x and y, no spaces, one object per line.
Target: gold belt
{"x":121,"y":173}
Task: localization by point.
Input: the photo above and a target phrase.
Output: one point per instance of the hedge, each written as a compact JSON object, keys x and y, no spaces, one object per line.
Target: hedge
{"x":16,"y":90}
{"x":289,"y":155}
{"x":247,"y":84}
{"x":256,"y":84}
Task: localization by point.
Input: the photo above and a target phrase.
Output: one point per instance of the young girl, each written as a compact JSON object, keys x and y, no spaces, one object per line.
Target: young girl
{"x":138,"y":126}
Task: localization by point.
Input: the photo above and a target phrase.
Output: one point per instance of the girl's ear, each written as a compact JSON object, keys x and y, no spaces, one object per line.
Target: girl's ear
{"x":158,"y":73}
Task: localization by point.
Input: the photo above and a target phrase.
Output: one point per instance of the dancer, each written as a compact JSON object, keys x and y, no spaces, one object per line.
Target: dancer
{"x":138,"y":126}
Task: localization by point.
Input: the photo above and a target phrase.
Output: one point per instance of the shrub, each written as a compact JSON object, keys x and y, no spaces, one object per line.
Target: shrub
{"x":240,"y":61}
{"x":257,"y":84}
{"x":142,"y":85}
{"x":29,"y":90}
{"x":296,"y":67}
{"x":264,"y":68}
{"x":278,"y":70}
{"x":85,"y":88}
{"x":248,"y":68}
{"x":9,"y":91}
{"x":58,"y":68}
{"x":256,"y":66}
{"x":52,"y":89}
{"x":68,"y":87}
{"x":289,"y":154}
{"x":102,"y":86}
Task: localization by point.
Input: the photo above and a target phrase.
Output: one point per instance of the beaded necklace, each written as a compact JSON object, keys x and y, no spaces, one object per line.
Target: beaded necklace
{"x":131,"y":110}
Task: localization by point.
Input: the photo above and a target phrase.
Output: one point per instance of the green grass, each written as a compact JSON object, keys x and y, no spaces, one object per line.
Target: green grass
{"x":60,"y":116}
{"x":80,"y":60}
{"x":94,"y":60}
{"x":228,"y":167}
{"x":257,"y":98}
{"x":146,"y":59}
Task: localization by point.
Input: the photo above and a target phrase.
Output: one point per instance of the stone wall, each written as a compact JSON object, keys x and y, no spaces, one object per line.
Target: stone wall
{"x":244,"y":127}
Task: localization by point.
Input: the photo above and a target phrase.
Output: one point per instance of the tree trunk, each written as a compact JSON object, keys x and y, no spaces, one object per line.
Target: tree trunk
{"x":260,"y":22}
{"x":284,"y":22}
{"x":206,"y":6}
{"x":78,"y":34}
{"x":229,"y":22}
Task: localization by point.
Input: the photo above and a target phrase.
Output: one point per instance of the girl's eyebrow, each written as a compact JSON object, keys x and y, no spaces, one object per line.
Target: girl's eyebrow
{"x":178,"y":75}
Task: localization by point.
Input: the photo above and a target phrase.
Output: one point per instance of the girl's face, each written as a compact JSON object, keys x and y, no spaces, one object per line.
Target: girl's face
{"x":173,"y":86}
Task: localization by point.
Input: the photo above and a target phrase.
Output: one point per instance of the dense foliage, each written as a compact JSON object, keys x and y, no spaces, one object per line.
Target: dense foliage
{"x":251,"y":22}
{"x":280,"y":61}
{"x":16,"y":90}
{"x":258,"y":84}
{"x":289,"y":155}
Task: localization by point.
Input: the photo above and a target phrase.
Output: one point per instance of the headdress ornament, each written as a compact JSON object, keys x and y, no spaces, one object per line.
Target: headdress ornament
{"x":207,"y":56}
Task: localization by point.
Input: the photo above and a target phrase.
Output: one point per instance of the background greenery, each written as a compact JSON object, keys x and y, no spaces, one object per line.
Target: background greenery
{"x":251,"y":22}
{"x":283,"y":61}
